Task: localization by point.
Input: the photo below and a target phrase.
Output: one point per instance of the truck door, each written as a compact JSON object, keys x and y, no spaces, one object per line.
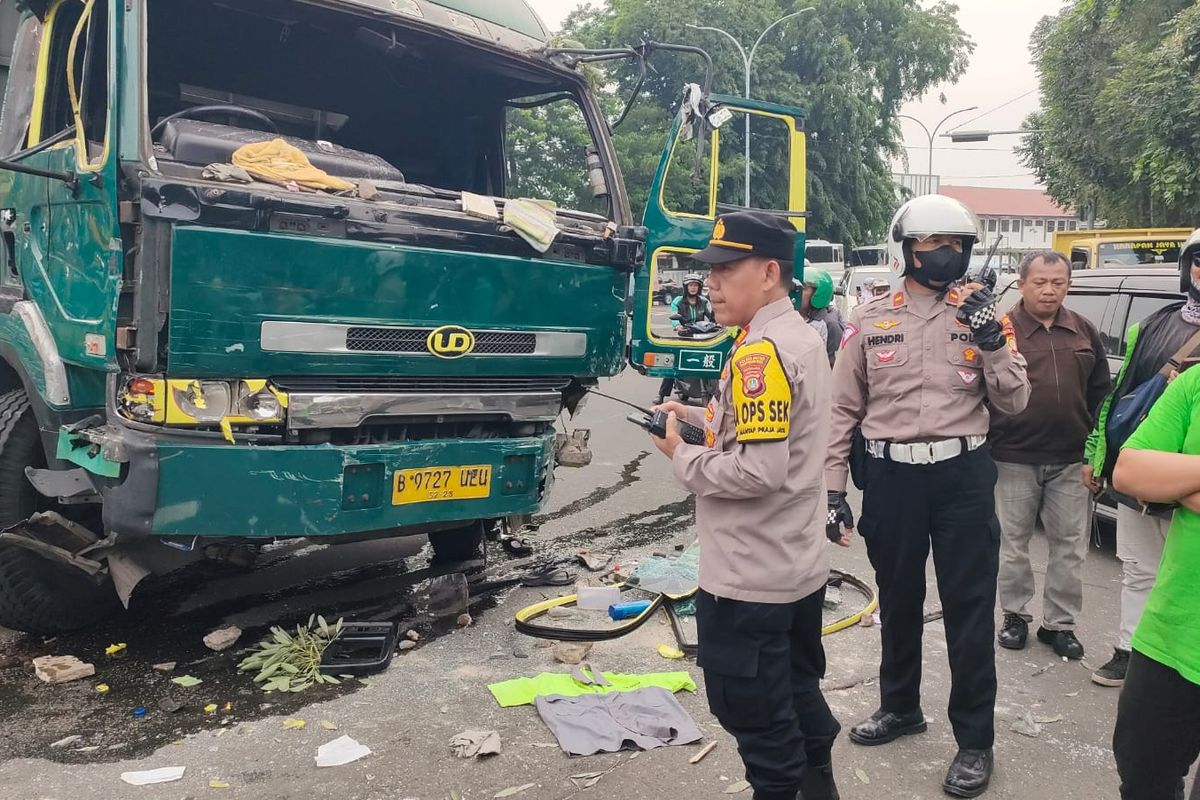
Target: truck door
{"x":691,"y":187}
{"x":76,"y":276}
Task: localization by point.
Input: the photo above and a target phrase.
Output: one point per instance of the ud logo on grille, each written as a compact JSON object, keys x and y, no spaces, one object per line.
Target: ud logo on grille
{"x":450,"y":341}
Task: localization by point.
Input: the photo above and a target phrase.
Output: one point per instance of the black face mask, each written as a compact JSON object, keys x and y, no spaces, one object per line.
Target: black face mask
{"x":938,"y":267}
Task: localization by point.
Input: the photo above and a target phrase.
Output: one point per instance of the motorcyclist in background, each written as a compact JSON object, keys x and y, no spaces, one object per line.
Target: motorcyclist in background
{"x":691,"y":306}
{"x":816,"y":306}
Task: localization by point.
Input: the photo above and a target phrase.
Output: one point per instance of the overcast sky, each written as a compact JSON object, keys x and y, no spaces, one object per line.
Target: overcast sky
{"x":1000,"y":72}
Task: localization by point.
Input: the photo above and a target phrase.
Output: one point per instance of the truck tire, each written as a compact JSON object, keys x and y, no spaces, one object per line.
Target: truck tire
{"x":36,"y":594}
{"x":458,"y":544}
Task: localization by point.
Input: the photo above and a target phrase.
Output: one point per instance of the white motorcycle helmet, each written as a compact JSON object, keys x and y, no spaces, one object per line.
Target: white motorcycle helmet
{"x":926,"y":216}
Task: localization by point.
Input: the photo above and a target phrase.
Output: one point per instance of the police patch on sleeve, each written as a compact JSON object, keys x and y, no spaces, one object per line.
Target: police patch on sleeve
{"x":762,"y":395}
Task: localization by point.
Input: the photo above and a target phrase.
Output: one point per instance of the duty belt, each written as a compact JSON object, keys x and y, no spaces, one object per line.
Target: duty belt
{"x":924,"y":452}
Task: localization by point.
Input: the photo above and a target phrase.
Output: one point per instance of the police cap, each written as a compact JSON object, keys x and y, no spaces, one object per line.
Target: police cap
{"x":746,"y":234}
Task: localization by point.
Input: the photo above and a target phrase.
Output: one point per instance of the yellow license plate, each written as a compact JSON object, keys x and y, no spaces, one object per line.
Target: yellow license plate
{"x":441,"y":483}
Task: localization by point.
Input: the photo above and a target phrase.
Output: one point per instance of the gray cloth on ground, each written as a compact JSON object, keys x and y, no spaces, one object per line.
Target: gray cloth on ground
{"x":607,"y":723}
{"x":472,"y":744}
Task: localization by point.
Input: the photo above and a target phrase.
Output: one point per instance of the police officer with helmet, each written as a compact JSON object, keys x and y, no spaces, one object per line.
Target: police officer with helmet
{"x":917,"y":372}
{"x":760,"y":511}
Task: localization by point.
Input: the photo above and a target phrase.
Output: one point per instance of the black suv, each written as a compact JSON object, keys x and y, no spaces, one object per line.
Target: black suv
{"x":1114,"y":299}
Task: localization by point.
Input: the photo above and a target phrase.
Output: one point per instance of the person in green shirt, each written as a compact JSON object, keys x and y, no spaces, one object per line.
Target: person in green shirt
{"x":1157,"y":734}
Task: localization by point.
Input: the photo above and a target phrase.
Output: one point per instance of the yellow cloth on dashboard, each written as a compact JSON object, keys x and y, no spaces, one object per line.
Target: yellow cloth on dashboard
{"x":279,"y":162}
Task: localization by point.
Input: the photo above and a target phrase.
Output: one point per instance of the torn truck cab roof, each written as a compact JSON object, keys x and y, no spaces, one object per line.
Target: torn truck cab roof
{"x":509,"y":23}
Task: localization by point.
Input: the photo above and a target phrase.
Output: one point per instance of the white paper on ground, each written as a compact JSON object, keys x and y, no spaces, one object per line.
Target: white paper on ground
{"x":150,"y":776}
{"x":341,"y":751}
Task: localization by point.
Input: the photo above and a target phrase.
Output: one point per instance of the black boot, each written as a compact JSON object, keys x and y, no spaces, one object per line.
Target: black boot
{"x":1014,"y":633}
{"x":884,"y":726}
{"x":818,"y":784}
{"x":969,"y":773}
{"x":1064,"y":643}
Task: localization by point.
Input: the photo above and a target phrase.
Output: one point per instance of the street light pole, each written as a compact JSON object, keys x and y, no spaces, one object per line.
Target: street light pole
{"x":936,"y":128}
{"x":748,"y":63}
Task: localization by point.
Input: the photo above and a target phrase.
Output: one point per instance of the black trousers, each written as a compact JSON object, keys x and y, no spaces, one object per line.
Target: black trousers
{"x":949,"y":507}
{"x":666,"y":387}
{"x":1158,"y":731}
{"x":763,"y":664}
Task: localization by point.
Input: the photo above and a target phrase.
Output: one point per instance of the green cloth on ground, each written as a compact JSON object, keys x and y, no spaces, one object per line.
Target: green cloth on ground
{"x":522,"y":691}
{"x":1169,"y":631}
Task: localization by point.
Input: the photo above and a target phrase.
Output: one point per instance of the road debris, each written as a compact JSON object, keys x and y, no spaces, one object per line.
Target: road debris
{"x":464,"y":620}
{"x":166,"y":666}
{"x":708,"y":748}
{"x":586,"y":780}
{"x":1026,"y":725}
{"x":119,"y":650}
{"x":186,"y":681}
{"x":216,"y":784}
{"x":70,"y":740}
{"x":169,"y":705}
{"x":222,"y":638}
{"x":667,"y":651}
{"x":833,"y":597}
{"x":211,"y":708}
{"x":596,"y":598}
{"x":327,"y":725}
{"x":340,"y":751}
{"x":102,"y":688}
{"x":863,"y":777}
{"x":561,"y":612}
{"x":294,"y":724}
{"x":407,"y":644}
{"x":737,"y":788}
{"x":62,"y":669}
{"x":565,"y":653}
{"x":148,"y":777}
{"x":476,"y":744}
{"x":288,"y":662}
{"x":413,"y":636}
{"x":510,"y":791}
{"x":595,"y":562}
{"x":139,"y":712}
{"x":1048,"y":720}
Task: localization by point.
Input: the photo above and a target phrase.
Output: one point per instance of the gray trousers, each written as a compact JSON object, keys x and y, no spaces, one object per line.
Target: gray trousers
{"x":1140,"y":541}
{"x":1055,"y":494}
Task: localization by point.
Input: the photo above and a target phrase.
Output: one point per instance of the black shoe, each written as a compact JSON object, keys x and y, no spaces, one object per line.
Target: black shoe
{"x":884,"y":726}
{"x":1064,"y":643}
{"x":1014,"y":633}
{"x":818,"y":784}
{"x":1113,"y":673}
{"x":969,"y":773}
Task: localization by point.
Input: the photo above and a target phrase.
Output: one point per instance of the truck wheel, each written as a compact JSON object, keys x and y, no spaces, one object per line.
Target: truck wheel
{"x":458,"y":544}
{"x":36,"y":594}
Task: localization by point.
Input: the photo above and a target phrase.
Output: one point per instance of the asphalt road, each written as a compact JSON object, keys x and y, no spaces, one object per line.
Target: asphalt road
{"x":625,"y":504}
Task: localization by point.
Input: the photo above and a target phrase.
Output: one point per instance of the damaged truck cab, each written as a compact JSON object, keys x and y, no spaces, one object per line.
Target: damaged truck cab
{"x":365,"y":328}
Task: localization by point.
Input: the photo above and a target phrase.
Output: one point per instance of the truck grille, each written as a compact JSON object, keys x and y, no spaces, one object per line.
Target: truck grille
{"x":407,"y":385}
{"x":412,"y":340}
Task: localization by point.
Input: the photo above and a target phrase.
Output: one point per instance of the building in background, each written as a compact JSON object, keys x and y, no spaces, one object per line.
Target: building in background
{"x":1026,"y":218}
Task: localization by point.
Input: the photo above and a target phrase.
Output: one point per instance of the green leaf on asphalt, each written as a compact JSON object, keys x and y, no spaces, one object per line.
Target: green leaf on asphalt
{"x":737,"y":788}
{"x":862,"y":776}
{"x":510,"y":791}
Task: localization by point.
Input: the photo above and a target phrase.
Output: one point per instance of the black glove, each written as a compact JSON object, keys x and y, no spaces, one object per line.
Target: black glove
{"x":978,"y":312}
{"x":840,"y":516}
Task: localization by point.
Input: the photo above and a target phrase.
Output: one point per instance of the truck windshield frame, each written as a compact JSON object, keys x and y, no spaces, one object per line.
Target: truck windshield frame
{"x":386,"y":99}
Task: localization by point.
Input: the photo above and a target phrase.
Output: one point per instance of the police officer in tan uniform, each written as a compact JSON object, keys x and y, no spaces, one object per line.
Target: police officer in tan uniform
{"x":760,"y":510}
{"x":918,"y":370}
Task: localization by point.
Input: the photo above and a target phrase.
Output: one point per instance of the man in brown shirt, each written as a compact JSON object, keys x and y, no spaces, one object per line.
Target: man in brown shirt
{"x":917,"y":372}
{"x":1039,"y":456}
{"x":760,"y":513}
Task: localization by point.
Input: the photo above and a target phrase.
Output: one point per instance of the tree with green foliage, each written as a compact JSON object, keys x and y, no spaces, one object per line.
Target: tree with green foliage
{"x":850,"y":65}
{"x":1116,"y":135}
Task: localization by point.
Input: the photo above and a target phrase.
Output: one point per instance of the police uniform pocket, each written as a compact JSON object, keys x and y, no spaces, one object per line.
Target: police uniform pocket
{"x":887,"y":356}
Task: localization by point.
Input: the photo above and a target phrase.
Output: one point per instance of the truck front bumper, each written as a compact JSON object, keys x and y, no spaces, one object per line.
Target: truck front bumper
{"x":181,"y":488}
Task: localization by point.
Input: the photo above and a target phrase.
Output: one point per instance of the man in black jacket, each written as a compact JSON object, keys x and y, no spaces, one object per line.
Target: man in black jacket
{"x":1039,"y":453}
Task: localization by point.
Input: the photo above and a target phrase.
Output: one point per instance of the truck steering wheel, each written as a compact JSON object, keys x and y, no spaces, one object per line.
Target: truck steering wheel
{"x":241,"y":111}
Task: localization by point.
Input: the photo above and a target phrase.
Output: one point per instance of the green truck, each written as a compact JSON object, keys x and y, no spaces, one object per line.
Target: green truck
{"x":200,"y":354}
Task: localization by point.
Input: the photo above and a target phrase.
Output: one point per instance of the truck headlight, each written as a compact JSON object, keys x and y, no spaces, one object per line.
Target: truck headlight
{"x":189,"y":402}
{"x":198,"y":401}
